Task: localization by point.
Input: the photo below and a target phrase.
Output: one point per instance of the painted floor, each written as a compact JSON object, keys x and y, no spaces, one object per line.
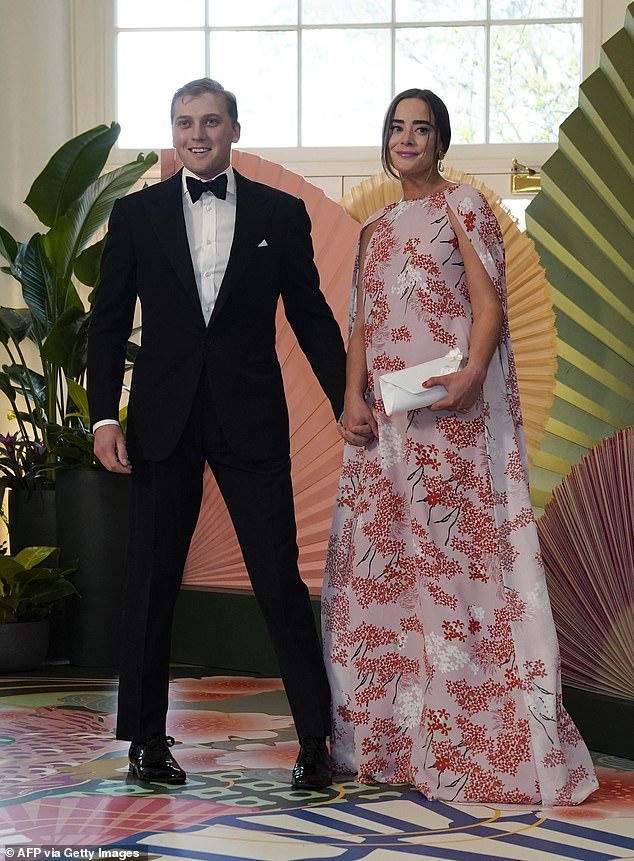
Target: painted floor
{"x":64,"y":791}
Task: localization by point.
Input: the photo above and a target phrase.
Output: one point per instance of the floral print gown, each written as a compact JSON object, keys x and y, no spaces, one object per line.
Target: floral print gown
{"x":438,"y":635}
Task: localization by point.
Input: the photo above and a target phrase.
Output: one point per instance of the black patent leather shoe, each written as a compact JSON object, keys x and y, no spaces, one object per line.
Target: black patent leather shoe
{"x":312,"y":770}
{"x":152,"y":761}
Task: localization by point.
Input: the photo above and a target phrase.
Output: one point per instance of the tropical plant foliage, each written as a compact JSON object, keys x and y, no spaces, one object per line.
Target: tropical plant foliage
{"x":29,"y":591}
{"x":73,"y":199}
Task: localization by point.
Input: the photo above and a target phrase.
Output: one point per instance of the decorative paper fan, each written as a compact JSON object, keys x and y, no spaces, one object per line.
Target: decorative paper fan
{"x":531,"y":316}
{"x":214,"y":557}
{"x":587,"y":539}
{"x":582,"y":223}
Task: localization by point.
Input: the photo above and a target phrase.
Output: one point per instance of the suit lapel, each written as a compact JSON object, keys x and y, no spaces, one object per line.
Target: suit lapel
{"x":165,"y":213}
{"x":254,"y":208}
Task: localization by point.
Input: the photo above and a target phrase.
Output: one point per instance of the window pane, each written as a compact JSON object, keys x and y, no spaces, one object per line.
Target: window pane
{"x":252,"y":13}
{"x":536,"y":9}
{"x":350,"y":12}
{"x":535,"y":73}
{"x":265,"y":86}
{"x":167,"y":60}
{"x":144,"y":13}
{"x":345,"y":86}
{"x":450,"y":10}
{"x":449,"y":61}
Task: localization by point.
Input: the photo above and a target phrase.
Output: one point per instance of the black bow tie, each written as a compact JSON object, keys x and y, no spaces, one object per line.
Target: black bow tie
{"x":217,"y":186}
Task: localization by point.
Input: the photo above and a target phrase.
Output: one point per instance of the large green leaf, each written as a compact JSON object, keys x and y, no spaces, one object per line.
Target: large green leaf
{"x":38,"y":283}
{"x":7,"y":611}
{"x":6,"y":388}
{"x":70,"y":171}
{"x":46,"y":293}
{"x":27,"y":382}
{"x":74,"y":447}
{"x":9,"y":567}
{"x":15,"y":324}
{"x":86,"y":267}
{"x":79,"y":397}
{"x":74,"y":230}
{"x":132,"y":351}
{"x":8,"y":245}
{"x":29,"y":557}
{"x":42,"y":593}
{"x":66,"y":343}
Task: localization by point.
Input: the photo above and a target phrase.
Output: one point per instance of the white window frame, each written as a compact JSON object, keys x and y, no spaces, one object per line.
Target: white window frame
{"x":335,"y":168}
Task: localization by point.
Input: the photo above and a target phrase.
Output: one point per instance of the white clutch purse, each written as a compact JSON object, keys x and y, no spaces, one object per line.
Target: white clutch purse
{"x":402,"y":390}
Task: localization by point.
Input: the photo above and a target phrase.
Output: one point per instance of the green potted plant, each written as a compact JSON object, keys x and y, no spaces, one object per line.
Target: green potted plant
{"x":29,"y":591}
{"x":73,"y":199}
{"x":58,"y":271}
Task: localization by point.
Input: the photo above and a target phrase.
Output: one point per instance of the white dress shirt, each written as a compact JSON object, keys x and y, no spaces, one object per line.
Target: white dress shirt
{"x":210,"y":225}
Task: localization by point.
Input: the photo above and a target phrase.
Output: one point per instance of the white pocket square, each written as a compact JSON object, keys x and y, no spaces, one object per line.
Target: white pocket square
{"x":401,"y":390}
{"x":263,"y":244}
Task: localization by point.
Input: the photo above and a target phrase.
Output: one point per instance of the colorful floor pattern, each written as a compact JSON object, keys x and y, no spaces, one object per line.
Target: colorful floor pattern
{"x":64,"y":789}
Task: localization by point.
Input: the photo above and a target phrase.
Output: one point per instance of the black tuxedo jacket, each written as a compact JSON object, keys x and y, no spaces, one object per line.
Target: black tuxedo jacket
{"x":147,"y":256}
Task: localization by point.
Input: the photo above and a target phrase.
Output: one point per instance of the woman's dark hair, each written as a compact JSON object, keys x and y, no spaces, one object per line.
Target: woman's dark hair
{"x":440,"y":116}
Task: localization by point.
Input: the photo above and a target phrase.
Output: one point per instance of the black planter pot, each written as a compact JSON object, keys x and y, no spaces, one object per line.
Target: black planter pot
{"x":32,"y":523}
{"x":32,"y":519}
{"x":23,"y":645}
{"x":93,"y":510}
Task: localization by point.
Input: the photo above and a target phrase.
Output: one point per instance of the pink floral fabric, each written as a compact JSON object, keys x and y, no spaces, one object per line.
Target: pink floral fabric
{"x":438,"y":633}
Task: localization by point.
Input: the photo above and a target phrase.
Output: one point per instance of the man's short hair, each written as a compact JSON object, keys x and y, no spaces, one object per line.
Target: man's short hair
{"x":207,"y":85}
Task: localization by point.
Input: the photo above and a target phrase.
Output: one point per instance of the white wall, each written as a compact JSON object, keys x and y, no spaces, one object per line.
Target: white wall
{"x":35,"y":118}
{"x":35,"y":112}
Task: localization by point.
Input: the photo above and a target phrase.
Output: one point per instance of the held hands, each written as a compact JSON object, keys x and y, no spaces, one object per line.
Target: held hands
{"x":463,"y":389}
{"x":110,"y":449}
{"x":358,"y":425}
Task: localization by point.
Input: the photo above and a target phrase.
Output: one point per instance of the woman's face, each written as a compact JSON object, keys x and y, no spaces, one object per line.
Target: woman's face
{"x":412,"y":144}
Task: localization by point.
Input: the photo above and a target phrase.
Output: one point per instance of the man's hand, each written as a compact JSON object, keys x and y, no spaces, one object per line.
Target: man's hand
{"x":110,"y":449}
{"x":358,"y":425}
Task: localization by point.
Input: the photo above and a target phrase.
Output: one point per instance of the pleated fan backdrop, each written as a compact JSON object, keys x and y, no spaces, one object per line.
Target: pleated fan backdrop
{"x":214,"y":559}
{"x":582,"y":223}
{"x":587,"y":539}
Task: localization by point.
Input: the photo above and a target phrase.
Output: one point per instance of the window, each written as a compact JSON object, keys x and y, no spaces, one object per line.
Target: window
{"x":320,"y":73}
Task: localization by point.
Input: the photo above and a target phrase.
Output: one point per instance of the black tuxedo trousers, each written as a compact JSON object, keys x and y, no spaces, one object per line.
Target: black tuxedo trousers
{"x":167,"y":496}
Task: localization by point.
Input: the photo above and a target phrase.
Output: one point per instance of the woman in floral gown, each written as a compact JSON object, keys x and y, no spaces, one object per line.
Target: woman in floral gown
{"x":438,"y":634}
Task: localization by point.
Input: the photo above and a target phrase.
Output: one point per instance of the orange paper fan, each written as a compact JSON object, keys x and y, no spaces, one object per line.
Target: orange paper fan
{"x":530,"y":308}
{"x":214,"y":559}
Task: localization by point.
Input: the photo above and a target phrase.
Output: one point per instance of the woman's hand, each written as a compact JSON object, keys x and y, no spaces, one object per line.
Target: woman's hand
{"x":358,"y":425}
{"x":463,"y":389}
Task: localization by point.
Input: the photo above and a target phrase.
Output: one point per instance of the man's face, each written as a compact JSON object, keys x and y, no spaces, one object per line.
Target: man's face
{"x":202,"y":133}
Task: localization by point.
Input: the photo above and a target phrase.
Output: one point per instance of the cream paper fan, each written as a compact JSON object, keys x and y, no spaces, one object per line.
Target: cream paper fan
{"x":530,"y":307}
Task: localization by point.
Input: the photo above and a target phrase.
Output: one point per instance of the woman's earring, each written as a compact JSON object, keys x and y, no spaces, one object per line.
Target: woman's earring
{"x":441,"y":156}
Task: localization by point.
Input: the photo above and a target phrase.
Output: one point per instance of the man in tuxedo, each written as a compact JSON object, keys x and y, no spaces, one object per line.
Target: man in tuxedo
{"x":209,"y":253}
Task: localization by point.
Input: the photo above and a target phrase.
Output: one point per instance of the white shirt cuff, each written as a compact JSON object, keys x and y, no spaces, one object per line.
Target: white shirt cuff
{"x":104,"y":422}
